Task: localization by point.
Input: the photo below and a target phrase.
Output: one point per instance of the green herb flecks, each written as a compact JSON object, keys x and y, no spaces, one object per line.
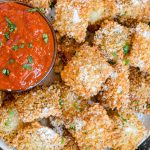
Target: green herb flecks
{"x":112,"y":62}
{"x":126,"y":61}
{"x":126,"y":49}
{"x":76,"y":106}
{"x":41,"y":10}
{"x":15,"y":47}
{"x":11,"y":114}
{"x":61,"y":103}
{"x":30,"y":59}
{"x":6,"y":72}
{"x":11,"y":61}
{"x":1,"y":44}
{"x":21,"y":45}
{"x":27,"y":67}
{"x":63,"y":140}
{"x":11,"y":26}
{"x":45,"y":38}
{"x":7,"y":36}
{"x":52,"y":5}
{"x":114,"y":54}
{"x":72,"y":127}
{"x":30,"y":45}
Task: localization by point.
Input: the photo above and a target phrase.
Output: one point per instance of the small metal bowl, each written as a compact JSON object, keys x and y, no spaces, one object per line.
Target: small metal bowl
{"x":49,"y":76}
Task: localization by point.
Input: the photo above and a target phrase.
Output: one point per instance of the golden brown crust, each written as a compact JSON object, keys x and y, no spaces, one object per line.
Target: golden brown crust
{"x":38,"y":103}
{"x":140,"y":52}
{"x":139,"y":91}
{"x":86,"y":72}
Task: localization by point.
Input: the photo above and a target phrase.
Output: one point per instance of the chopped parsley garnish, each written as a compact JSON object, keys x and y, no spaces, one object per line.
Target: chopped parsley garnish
{"x":112,"y":62}
{"x":1,"y":44}
{"x":76,"y":106}
{"x":61,"y":102}
{"x":114,"y":54}
{"x":136,"y":102}
{"x":72,"y":127}
{"x":27,"y":67}
{"x":30,"y":45}
{"x":45,"y":38}
{"x":30,"y":59}
{"x":126,"y":49}
{"x":42,"y":10}
{"x":11,"y":26}
{"x":126,"y":61}
{"x":11,"y":61}
{"x":15,"y":47}
{"x":6,"y":72}
{"x":11,"y":114}
{"x":52,"y":5}
{"x":63,"y":140}
{"x":7,"y":36}
{"x":21,"y":45}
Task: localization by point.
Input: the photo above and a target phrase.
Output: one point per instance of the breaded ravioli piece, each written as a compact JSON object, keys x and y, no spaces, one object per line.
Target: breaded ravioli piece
{"x":139,"y":91}
{"x":86,"y":72}
{"x":115,"y":92}
{"x":38,"y":103}
{"x":92,"y":129}
{"x":73,"y":16}
{"x":112,"y":38}
{"x":140,"y":52}
{"x":72,"y":104}
{"x":133,"y":10}
{"x":9,"y":122}
{"x":129,"y":132}
{"x":37,"y":137}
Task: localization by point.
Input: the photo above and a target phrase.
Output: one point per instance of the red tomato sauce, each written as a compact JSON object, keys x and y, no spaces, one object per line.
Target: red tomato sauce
{"x":26,"y":47}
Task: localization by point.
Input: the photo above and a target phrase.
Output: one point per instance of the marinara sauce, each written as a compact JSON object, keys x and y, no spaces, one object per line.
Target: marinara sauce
{"x":26,"y":46}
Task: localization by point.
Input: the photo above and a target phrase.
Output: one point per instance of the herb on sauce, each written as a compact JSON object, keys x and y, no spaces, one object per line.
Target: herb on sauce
{"x":11,"y":61}
{"x":15,"y":47}
{"x":76,"y":106}
{"x":1,"y":44}
{"x":7,"y":36}
{"x":6,"y":72}
{"x":36,"y":10}
{"x":61,"y":102}
{"x":72,"y":127}
{"x":27,"y":67}
{"x":114,"y":54}
{"x":30,"y":59}
{"x":45,"y":38}
{"x":30,"y":45}
{"x":11,"y":26}
{"x":126,"y":61}
{"x":126,"y":49}
{"x":21,"y":45}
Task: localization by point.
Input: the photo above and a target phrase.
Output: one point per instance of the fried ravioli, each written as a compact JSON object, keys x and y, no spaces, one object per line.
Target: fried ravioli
{"x":86,"y":72}
{"x":140,"y":52}
{"x":38,"y":103}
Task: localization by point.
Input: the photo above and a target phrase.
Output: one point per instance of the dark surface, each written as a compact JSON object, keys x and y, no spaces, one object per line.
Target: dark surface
{"x":145,"y":145}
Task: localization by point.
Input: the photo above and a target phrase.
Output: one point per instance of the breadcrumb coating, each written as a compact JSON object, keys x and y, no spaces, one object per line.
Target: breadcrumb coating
{"x":9,"y":122}
{"x":139,"y":91}
{"x":72,"y":104}
{"x":74,"y":19}
{"x":111,"y":38}
{"x":133,"y":10}
{"x":92,"y":129}
{"x":140,"y":53}
{"x":129,"y":132}
{"x":37,"y":137}
{"x":86,"y":72}
{"x":38,"y":103}
{"x":116,"y":89}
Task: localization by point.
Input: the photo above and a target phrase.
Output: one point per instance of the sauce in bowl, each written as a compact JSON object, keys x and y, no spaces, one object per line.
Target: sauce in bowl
{"x":26,"y":46}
